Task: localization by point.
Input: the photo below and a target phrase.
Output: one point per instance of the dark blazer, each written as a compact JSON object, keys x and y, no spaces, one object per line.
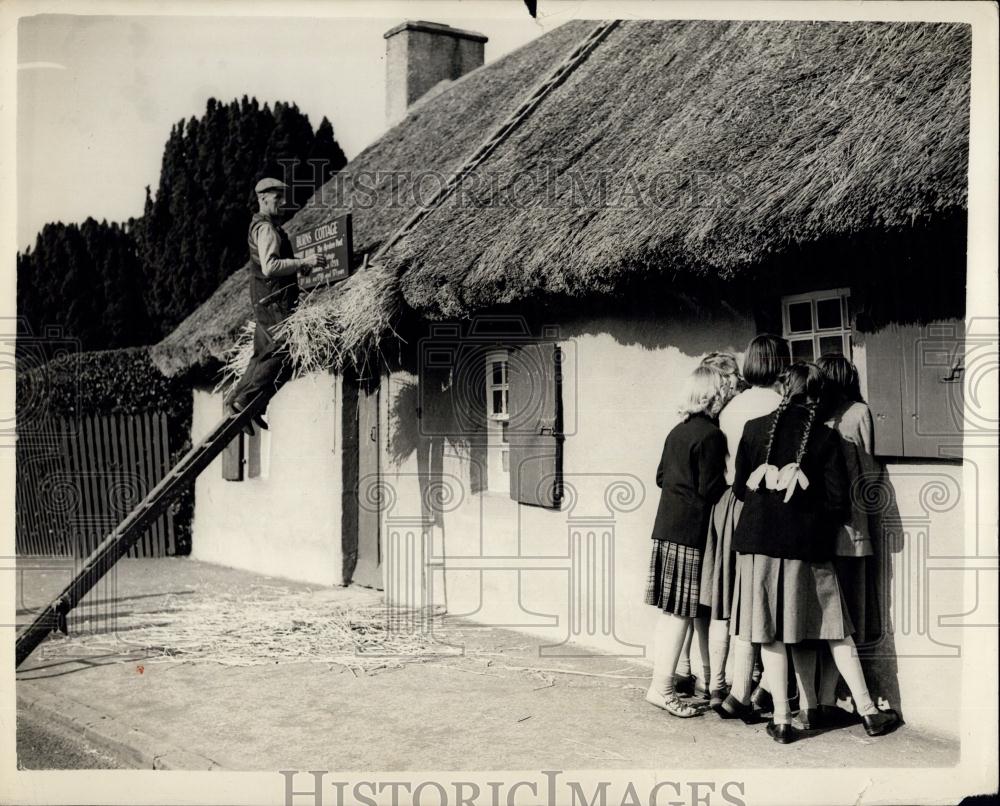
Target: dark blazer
{"x":691,"y":478}
{"x":806,"y":527}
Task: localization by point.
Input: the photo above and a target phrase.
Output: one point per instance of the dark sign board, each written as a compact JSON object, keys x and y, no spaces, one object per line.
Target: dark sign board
{"x":333,"y":239}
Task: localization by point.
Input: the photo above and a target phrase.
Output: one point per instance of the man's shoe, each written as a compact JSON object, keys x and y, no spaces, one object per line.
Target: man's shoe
{"x":782,"y":734}
{"x":232,"y":410}
{"x":258,"y":419}
{"x":882,"y":722}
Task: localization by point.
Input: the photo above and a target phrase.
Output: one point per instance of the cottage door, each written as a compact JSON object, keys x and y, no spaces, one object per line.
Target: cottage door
{"x":368,"y":571}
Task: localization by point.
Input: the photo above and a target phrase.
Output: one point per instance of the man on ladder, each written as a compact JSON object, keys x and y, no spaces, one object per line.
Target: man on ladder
{"x":273,"y":293}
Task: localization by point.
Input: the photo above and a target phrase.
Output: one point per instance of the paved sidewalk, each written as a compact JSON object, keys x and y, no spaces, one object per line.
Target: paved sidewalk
{"x":186,"y":665}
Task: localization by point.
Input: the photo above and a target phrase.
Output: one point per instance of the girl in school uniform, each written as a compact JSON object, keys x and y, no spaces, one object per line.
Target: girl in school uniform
{"x":691,"y":477}
{"x":766,"y":358}
{"x":715,"y":590}
{"x":854,"y":554}
{"x":791,"y":476}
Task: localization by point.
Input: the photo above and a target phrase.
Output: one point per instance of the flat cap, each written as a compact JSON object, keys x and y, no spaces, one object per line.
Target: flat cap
{"x":265,"y":185}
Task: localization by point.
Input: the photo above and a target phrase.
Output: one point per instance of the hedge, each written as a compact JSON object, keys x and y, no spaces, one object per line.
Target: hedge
{"x":106,"y":382}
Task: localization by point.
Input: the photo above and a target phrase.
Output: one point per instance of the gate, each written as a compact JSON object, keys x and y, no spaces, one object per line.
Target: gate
{"x":77,"y":479}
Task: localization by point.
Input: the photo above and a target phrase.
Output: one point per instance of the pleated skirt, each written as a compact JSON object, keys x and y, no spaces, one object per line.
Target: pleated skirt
{"x":858,"y":582}
{"x":787,"y":601}
{"x":718,"y":568}
{"x":674,"y":578}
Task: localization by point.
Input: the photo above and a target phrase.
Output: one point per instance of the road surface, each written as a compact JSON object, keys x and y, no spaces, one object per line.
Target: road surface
{"x":43,"y":746}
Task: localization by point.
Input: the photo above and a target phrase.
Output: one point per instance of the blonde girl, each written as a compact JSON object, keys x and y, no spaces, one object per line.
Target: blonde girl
{"x":712,"y":622}
{"x":691,"y":477}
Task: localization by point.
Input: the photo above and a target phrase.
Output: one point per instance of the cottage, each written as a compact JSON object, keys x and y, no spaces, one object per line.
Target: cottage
{"x":480,"y":411}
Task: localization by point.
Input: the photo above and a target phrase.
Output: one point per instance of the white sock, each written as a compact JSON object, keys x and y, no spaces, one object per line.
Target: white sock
{"x":668,"y":640}
{"x":684,"y":660}
{"x":743,"y":657}
{"x":776,"y":672}
{"x":849,"y":665}
{"x":718,"y":649}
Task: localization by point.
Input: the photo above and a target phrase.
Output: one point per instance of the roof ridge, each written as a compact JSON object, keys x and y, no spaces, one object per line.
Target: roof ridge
{"x":521,"y":113}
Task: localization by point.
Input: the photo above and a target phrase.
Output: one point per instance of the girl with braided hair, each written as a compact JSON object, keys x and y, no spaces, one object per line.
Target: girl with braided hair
{"x":766,"y":358}
{"x":792,"y":478}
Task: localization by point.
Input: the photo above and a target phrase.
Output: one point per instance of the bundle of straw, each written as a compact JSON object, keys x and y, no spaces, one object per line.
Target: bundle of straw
{"x":236,"y":357}
{"x":344,"y":324}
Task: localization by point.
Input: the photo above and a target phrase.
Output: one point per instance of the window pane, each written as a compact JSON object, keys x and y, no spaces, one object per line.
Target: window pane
{"x":800,"y":317}
{"x":498,"y":372}
{"x":828,"y":314}
{"x":802,"y":350}
{"x":831,"y":344}
{"x":497,"y":402}
{"x":504,"y":401}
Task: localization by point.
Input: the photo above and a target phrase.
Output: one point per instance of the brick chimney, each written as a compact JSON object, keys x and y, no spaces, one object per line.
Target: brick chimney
{"x":419,"y":55}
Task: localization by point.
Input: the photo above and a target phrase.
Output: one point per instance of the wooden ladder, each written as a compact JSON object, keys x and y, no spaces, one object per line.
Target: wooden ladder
{"x":117,"y":544}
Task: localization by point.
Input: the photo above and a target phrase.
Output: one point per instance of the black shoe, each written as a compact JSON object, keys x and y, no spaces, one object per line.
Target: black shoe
{"x":259,"y":420}
{"x":761,"y":700}
{"x":882,"y":722}
{"x":782,"y":734}
{"x":232,"y":410}
{"x":684,"y":686}
{"x":833,"y":716}
{"x":731,"y":708}
{"x":811,"y":718}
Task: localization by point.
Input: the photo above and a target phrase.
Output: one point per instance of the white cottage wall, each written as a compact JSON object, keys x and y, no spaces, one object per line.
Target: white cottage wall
{"x":576,"y":577}
{"x":287,"y":524}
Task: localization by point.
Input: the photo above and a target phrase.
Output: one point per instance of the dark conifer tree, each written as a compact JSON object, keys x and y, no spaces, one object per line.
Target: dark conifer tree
{"x":111,"y":285}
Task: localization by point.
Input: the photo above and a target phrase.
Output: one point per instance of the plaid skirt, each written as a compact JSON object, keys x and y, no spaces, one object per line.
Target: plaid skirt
{"x":674,"y":578}
{"x":718,"y":568}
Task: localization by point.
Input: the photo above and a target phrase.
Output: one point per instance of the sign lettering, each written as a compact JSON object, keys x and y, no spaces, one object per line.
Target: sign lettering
{"x":333,"y":239}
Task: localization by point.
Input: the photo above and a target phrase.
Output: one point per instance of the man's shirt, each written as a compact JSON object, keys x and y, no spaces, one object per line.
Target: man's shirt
{"x":269,"y":249}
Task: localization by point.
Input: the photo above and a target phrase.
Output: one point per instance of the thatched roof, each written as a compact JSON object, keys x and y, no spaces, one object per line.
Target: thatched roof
{"x":434,"y":137}
{"x":797,"y":131}
{"x":794,"y":132}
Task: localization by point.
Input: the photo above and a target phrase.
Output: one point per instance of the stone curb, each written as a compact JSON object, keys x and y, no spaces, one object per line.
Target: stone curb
{"x":132,"y":745}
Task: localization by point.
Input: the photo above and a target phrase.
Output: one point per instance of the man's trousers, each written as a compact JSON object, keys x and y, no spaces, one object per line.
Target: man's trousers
{"x":269,"y":368}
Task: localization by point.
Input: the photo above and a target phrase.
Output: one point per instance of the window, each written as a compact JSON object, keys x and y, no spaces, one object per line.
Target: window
{"x":817,"y":323}
{"x":497,"y":421}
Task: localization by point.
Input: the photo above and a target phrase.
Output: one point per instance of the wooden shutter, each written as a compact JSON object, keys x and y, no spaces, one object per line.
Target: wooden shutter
{"x":535,"y":425}
{"x":232,"y":460}
{"x":915,"y":389}
{"x":883,"y":359}
{"x":933,"y":399}
{"x":253,"y":454}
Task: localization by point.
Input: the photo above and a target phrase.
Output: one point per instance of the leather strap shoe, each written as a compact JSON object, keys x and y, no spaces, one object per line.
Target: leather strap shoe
{"x":731,"y":708}
{"x":782,"y":734}
{"x":882,"y":722}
